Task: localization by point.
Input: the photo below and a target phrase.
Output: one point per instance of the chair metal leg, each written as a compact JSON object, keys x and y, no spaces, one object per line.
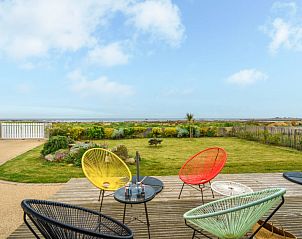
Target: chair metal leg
{"x":211,"y":189}
{"x":268,"y":218}
{"x":201,"y":193}
{"x":181,"y":190}
{"x":196,"y":230}
{"x":103,"y":192}
{"x":193,"y":234}
{"x":30,"y":228}
{"x":100,"y":194}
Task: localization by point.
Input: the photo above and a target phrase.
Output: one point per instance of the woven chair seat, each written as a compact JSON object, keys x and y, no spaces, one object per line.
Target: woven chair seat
{"x":203,"y":166}
{"x":105,"y":169}
{"x":59,"y":220}
{"x":233,"y":217}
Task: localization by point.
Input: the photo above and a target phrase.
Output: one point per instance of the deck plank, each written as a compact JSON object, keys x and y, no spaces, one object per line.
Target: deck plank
{"x":165,"y":210}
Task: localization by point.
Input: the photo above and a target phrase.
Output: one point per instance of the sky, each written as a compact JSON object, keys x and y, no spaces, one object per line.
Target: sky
{"x":150,"y":59}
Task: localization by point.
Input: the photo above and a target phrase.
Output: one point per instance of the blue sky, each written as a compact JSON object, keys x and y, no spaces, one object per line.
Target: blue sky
{"x":149,"y":59}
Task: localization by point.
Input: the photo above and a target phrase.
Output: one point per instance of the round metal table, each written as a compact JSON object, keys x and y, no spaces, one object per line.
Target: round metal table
{"x":229,"y":188}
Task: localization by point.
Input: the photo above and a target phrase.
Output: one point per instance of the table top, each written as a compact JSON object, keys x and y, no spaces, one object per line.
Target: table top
{"x":155,"y":183}
{"x":229,"y":188}
{"x":134,"y":198}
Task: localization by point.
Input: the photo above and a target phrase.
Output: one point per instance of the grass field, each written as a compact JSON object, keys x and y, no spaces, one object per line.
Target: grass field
{"x":243,"y":157}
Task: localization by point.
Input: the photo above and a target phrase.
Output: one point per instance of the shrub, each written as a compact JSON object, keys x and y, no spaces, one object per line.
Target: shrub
{"x":170,"y":132}
{"x":148,"y":133}
{"x":156,"y":132}
{"x":76,"y":152}
{"x":139,"y":131}
{"x":128,"y":132}
{"x":182,"y":132}
{"x":117,"y":133}
{"x":55,"y":131}
{"x":222,"y":131}
{"x":274,"y":139}
{"x":212,"y":132}
{"x":203,"y":131}
{"x":196,"y":132}
{"x":154,"y":141}
{"x":108,"y":132}
{"x":95,"y":132}
{"x":76,"y":132}
{"x":264,"y":136}
{"x":121,"y":151}
{"x":55,"y":143}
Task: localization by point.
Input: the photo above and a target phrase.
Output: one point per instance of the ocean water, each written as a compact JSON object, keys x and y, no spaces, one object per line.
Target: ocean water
{"x":139,"y":119}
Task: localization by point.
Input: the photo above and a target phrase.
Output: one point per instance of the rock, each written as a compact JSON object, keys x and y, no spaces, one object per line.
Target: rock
{"x":50,"y":157}
{"x":130,"y":161}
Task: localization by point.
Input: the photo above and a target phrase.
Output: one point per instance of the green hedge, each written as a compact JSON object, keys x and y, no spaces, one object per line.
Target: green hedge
{"x":78,"y":131}
{"x":54,"y":143}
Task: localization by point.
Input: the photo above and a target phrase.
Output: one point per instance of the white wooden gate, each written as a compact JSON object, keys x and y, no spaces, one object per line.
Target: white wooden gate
{"x":22,"y":130}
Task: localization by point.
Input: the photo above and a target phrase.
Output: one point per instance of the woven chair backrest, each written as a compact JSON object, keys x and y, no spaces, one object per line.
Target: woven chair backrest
{"x":105,"y":169}
{"x":207,"y":163}
{"x":58,"y":220}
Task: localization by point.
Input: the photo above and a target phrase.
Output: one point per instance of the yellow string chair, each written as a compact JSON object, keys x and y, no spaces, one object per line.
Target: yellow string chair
{"x":105,"y":170}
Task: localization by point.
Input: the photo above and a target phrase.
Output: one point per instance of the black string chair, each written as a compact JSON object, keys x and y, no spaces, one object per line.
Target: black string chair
{"x":60,"y":220}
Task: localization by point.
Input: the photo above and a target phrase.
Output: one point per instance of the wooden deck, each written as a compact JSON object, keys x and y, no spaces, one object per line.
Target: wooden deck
{"x":165,"y":210}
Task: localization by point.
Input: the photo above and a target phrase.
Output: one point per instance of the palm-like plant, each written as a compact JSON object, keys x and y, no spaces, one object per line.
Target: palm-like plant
{"x":190,"y":119}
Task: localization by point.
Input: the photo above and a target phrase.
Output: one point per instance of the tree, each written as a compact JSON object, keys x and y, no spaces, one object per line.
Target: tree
{"x":190,"y":119}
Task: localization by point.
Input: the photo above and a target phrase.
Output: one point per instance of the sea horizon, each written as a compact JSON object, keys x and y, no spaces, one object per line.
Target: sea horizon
{"x":142,"y":119}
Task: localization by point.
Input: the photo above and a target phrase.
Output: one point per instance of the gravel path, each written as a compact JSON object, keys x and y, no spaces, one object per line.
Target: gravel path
{"x":11,"y":213}
{"x":11,"y":194}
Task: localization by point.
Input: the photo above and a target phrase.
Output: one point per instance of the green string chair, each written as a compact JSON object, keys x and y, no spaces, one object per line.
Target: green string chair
{"x":105,"y":170}
{"x":232,"y":217}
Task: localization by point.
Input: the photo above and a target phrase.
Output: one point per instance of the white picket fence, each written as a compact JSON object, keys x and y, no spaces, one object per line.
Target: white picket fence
{"x":23,"y":130}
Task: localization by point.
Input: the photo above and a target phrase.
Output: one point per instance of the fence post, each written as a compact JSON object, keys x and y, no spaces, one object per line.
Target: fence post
{"x":265,"y":134}
{"x":295,"y":138}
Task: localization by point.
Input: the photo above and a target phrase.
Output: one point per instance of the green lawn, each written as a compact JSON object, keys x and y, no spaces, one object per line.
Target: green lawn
{"x":243,"y":157}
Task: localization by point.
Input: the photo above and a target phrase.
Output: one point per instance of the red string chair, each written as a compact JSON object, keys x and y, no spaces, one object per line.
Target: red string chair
{"x":202,"y":167}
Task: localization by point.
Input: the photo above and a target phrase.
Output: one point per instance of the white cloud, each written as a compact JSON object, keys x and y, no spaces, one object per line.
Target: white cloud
{"x":100,"y":86}
{"x":285,"y":34}
{"x":279,"y":35}
{"x":247,"y":77}
{"x":285,"y":29}
{"x":39,"y":28}
{"x":109,"y":55}
{"x":160,"y":18}
{"x":33,"y":28}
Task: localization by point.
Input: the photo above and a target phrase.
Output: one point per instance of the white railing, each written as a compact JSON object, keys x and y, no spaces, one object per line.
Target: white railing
{"x":23,"y":130}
